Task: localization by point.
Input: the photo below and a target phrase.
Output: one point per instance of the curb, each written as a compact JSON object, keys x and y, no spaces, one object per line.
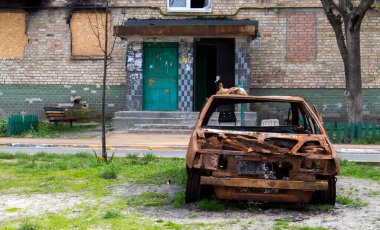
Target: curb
{"x":358,"y":151}
{"x":112,"y":147}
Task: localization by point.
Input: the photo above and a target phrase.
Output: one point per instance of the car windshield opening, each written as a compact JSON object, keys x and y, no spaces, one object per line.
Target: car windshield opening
{"x":260,"y":116}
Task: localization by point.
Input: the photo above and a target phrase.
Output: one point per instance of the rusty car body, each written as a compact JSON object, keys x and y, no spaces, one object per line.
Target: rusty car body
{"x":287,"y":158}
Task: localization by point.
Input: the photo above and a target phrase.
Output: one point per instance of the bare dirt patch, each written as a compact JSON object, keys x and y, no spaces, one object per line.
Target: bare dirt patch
{"x":15,"y":205}
{"x":340,"y":217}
{"x":131,"y":189}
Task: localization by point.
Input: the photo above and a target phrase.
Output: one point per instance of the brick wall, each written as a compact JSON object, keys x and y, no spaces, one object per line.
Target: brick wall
{"x":48,"y":59}
{"x":275,"y":59}
{"x":331,"y":102}
{"x":300,"y":40}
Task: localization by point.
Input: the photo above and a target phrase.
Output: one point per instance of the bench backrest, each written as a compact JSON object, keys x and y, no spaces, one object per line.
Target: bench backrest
{"x":54,"y":111}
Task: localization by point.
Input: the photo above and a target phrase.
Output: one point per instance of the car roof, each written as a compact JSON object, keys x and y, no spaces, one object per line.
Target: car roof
{"x":258,"y":98}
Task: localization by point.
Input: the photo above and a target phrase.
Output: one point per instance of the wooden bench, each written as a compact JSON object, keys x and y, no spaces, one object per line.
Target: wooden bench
{"x":58,"y":114}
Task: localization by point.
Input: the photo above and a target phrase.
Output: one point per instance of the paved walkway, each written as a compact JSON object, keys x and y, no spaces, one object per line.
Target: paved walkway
{"x":120,"y":139}
{"x":115,"y":139}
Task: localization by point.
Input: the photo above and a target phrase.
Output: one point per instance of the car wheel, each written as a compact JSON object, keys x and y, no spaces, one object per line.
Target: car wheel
{"x":193,"y":187}
{"x":194,"y":190}
{"x":326,"y":196}
{"x":330,"y":194}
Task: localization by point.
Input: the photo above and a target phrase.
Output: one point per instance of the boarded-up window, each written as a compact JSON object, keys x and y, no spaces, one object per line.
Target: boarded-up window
{"x":301,"y":44}
{"x":87,"y":33}
{"x":12,"y":34}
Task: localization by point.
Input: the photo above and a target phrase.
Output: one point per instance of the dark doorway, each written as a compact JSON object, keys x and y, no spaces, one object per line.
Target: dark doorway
{"x":213,"y":57}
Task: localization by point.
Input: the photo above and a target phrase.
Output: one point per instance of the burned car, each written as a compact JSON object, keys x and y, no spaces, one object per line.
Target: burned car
{"x":262,"y":149}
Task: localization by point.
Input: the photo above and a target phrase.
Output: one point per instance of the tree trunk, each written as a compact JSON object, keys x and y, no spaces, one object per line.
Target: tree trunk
{"x":353,"y":91}
{"x":104,"y":146}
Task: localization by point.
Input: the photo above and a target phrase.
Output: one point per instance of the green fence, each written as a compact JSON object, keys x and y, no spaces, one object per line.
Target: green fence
{"x":18,"y":124}
{"x":339,"y":132}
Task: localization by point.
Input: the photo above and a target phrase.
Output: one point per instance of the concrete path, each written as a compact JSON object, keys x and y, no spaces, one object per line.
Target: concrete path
{"x":120,"y":141}
{"x":115,"y":139}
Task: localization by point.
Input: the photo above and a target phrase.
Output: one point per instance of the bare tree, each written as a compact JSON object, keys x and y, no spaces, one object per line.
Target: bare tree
{"x":345,"y":17}
{"x":101,"y":27}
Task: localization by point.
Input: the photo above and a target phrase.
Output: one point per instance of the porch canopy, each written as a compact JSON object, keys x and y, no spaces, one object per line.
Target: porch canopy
{"x":186,"y":27}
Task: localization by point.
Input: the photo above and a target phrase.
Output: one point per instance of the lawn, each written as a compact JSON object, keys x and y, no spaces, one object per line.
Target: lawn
{"x":84,"y":174}
{"x":87,"y":176}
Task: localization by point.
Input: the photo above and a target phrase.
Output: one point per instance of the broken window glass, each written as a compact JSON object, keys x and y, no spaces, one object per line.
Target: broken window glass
{"x":199,"y":3}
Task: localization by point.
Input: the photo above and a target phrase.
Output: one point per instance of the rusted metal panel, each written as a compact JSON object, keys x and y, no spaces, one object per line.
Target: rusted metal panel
{"x":188,"y":30}
{"x":294,"y":196}
{"x":262,"y":183}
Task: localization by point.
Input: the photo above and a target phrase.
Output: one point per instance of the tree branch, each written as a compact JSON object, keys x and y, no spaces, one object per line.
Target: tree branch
{"x":358,"y":14}
{"x":345,"y":6}
{"x":336,"y":23}
{"x":363,"y":6}
{"x":114,"y":39}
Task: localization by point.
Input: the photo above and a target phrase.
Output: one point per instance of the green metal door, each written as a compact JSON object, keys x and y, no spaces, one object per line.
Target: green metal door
{"x":160,"y":76}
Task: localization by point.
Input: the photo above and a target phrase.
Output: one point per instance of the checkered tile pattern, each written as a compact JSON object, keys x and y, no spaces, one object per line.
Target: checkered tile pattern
{"x":185,"y":76}
{"x":242,"y":65}
{"x":134,"y":81}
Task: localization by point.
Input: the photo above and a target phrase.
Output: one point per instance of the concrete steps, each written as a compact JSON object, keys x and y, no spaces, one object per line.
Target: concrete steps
{"x":164,"y":121}
{"x":154,"y":120}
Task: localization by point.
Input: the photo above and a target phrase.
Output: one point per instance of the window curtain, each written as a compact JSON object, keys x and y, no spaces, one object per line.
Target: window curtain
{"x":177,"y":3}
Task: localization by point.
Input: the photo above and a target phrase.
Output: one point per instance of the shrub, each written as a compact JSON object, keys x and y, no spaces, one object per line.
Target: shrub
{"x":111,"y":214}
{"x":3,"y":127}
{"x":28,"y":225}
{"x":110,"y":171}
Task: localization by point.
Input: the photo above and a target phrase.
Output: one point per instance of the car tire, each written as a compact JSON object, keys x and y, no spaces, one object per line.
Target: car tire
{"x":326,"y":196}
{"x":194,"y":190}
{"x":329,"y":195}
{"x":193,"y":187}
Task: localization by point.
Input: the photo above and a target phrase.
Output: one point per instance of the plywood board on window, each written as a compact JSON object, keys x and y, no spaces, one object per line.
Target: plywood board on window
{"x":87,"y":33}
{"x":12,"y":34}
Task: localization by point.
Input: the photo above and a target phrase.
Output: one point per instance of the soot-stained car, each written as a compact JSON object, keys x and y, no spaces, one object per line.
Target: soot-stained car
{"x":262,"y":149}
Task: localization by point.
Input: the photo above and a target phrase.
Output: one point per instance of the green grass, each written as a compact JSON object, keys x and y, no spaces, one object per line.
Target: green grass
{"x":14,"y":209}
{"x":83,"y":173}
{"x":213,"y":205}
{"x":95,"y":216}
{"x":110,"y":171}
{"x":356,"y":202}
{"x":282,"y":224}
{"x":286,"y":224}
{"x":110,"y":214}
{"x":178,"y":200}
{"x":148,"y":199}
{"x":320,"y":207}
{"x":53,"y":173}
{"x":27,"y":224}
{"x":3,"y":127}
{"x":352,"y":169}
{"x":366,"y":141}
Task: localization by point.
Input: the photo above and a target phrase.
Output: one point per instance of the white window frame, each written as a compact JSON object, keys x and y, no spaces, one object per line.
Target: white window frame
{"x":188,"y":8}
